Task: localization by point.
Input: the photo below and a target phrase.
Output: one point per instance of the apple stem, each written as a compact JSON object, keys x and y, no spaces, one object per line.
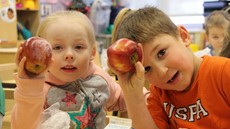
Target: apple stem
{"x":134,"y":58}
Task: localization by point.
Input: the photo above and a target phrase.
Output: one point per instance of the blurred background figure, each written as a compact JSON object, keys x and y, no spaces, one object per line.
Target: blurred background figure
{"x":215,"y":28}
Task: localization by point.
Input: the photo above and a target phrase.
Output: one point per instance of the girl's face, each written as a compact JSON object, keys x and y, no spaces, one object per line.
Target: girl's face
{"x":72,"y":51}
{"x":168,"y":63}
{"x":216,"y":38}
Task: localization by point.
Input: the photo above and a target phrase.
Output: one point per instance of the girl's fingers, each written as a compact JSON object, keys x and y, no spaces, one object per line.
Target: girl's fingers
{"x":17,"y":56}
{"x":21,"y":64}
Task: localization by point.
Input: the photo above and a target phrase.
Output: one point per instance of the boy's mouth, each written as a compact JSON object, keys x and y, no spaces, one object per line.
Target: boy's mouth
{"x":173,"y":78}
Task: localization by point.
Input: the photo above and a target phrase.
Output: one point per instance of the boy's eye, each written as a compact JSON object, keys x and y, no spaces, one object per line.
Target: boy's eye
{"x":147,"y":69}
{"x":161,"y":53}
{"x":214,"y":37}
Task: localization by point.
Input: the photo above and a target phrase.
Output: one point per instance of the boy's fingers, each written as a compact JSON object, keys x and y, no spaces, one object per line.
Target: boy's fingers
{"x":140,"y":45}
{"x":140,"y":70}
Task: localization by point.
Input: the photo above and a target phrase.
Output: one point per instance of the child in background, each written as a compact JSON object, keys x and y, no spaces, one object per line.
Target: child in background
{"x":186,"y":91}
{"x":73,"y":83}
{"x":215,"y":28}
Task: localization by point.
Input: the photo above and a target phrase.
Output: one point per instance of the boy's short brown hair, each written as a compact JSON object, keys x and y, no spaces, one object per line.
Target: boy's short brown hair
{"x":142,"y":25}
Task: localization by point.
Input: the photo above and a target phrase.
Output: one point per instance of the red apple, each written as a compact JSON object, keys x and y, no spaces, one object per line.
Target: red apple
{"x":38,"y":54}
{"x":123,"y":54}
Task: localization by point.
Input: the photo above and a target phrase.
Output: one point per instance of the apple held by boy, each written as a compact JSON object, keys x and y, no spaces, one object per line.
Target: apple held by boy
{"x":38,"y":53}
{"x":123,"y":54}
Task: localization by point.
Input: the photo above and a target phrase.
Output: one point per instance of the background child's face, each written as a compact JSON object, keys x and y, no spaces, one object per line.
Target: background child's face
{"x":216,"y":38}
{"x":10,"y":14}
{"x":72,"y":51}
{"x":168,"y":63}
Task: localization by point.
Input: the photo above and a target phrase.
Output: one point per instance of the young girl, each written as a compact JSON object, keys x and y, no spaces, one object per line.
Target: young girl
{"x":186,"y":91}
{"x":73,"y":84}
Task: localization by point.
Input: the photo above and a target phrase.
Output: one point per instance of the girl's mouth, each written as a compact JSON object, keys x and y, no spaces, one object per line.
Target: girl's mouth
{"x":69,"y":68}
{"x":174,"y":78}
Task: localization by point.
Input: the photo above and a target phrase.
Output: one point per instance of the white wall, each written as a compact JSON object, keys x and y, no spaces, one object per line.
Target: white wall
{"x":135,"y":4}
{"x":181,"y":7}
{"x":182,"y":12}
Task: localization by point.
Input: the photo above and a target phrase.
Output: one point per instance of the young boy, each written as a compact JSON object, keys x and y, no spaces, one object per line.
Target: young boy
{"x":215,"y":28}
{"x":186,"y":91}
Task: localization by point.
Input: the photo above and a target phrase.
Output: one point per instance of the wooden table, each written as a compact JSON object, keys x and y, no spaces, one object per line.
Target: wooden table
{"x":7,"y":55}
{"x":9,"y":84}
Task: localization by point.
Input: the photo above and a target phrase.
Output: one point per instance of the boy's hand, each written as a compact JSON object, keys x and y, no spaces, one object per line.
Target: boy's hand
{"x":131,"y":83}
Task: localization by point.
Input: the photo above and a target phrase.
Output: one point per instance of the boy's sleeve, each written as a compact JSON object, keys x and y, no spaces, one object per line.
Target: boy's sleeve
{"x":29,"y":101}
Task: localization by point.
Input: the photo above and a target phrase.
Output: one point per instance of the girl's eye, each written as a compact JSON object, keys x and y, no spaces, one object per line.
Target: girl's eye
{"x":161,"y":53}
{"x":78,"y":47}
{"x":147,"y":69}
{"x":215,"y":37}
{"x":57,"y":48}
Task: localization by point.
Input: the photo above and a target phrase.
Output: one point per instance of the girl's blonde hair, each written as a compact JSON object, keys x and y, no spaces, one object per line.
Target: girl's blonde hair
{"x":75,"y":16}
{"x":225,"y":52}
{"x":142,"y":25}
{"x":216,"y":19}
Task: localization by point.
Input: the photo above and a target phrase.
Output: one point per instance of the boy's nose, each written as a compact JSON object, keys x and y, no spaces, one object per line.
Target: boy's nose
{"x":161,"y":69}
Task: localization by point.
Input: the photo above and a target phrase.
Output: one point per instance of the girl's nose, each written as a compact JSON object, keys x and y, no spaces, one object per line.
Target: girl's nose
{"x":69,"y":57}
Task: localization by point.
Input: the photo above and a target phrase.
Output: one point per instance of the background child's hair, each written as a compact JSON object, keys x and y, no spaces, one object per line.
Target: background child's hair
{"x":216,"y":19}
{"x":225,"y":52}
{"x":75,"y":16}
{"x":142,"y":25}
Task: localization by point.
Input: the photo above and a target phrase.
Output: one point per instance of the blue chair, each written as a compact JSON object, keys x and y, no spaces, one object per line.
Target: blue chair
{"x":2,"y":104}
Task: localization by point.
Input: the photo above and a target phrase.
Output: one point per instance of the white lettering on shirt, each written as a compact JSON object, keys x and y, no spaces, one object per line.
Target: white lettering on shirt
{"x":188,"y":113}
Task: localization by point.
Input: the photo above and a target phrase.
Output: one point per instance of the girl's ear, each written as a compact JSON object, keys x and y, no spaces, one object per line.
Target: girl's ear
{"x":93,"y":52}
{"x":184,"y":35}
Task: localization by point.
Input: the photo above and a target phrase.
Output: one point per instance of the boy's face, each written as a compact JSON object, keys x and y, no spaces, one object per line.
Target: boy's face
{"x":72,"y":51}
{"x":216,"y":38}
{"x":168,"y":63}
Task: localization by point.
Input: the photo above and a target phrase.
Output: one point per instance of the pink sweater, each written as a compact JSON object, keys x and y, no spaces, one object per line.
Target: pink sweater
{"x":30,"y":98}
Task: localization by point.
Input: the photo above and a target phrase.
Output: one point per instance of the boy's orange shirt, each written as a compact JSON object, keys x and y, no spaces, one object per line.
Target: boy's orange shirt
{"x":205,"y":105}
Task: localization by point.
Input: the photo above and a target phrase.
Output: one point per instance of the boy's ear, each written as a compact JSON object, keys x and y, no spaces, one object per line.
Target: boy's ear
{"x":184,"y":35}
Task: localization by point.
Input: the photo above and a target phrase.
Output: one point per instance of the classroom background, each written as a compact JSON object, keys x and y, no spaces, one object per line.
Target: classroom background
{"x":19,"y":20}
